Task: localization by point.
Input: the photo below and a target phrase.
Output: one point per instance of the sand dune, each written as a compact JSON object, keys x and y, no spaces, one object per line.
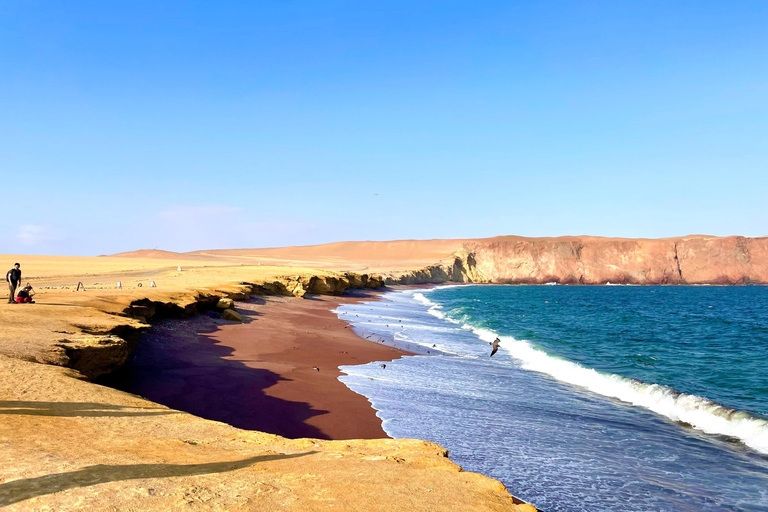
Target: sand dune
{"x":353,"y":256}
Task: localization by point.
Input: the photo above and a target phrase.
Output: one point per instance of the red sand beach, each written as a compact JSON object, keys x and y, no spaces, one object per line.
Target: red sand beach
{"x":260,"y":375}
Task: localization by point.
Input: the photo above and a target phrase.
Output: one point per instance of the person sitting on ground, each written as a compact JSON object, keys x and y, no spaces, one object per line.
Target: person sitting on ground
{"x":25,"y":295}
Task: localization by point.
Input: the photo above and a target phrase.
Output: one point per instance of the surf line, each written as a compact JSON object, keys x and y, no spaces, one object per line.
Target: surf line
{"x":698,"y":412}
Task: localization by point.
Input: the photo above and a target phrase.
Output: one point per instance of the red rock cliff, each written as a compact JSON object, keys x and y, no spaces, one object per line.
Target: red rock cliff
{"x":692,"y":259}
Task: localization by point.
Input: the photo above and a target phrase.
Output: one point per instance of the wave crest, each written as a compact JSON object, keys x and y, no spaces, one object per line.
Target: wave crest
{"x":698,"y":412}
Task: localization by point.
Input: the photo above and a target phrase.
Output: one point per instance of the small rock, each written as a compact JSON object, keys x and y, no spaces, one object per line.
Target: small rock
{"x":225,"y":304}
{"x":231,"y":314}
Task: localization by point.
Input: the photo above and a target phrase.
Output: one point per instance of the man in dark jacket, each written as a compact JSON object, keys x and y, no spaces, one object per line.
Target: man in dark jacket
{"x":14,"y":278}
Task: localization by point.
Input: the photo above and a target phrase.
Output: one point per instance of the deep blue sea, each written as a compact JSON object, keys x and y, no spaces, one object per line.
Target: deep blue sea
{"x":600,"y":398}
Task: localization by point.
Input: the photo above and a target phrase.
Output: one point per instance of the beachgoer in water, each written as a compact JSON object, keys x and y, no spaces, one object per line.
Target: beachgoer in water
{"x":14,"y":278}
{"x":25,"y":295}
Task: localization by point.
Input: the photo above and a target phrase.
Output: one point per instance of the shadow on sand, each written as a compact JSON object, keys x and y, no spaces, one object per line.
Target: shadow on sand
{"x":178,"y":364}
{"x":20,"y":490}
{"x":73,"y":409}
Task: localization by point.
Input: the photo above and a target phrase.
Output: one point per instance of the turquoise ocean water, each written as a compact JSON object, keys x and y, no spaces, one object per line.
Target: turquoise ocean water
{"x":620,"y":398}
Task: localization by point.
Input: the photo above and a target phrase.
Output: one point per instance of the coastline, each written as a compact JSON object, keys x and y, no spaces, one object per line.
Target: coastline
{"x":510,"y":416}
{"x":69,"y":442}
{"x":260,"y":375}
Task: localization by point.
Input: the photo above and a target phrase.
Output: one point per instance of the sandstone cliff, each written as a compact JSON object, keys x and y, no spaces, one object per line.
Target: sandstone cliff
{"x":461,"y":267}
{"x":593,"y":260}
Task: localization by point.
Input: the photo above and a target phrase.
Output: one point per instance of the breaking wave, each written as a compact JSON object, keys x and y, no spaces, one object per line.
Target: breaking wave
{"x":698,"y":412}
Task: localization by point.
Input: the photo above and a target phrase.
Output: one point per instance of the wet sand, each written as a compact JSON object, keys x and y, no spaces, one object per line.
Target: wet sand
{"x":260,"y":375}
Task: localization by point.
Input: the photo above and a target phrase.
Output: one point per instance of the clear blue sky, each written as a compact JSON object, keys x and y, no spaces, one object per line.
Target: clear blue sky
{"x":199,"y":125}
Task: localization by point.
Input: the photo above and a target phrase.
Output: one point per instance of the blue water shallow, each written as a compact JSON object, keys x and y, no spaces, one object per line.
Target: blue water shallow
{"x":523,"y":417}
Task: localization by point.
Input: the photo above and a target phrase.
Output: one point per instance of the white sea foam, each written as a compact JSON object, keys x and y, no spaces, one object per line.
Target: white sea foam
{"x":434,"y":309}
{"x":421,"y":298}
{"x":696,"y":411}
{"x":394,"y":391}
{"x":693,"y":410}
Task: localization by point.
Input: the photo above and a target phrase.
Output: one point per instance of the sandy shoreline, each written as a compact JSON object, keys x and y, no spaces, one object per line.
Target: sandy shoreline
{"x":260,"y":375}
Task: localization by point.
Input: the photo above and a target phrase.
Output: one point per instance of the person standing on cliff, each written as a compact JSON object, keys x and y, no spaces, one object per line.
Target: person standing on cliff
{"x":14,"y":278}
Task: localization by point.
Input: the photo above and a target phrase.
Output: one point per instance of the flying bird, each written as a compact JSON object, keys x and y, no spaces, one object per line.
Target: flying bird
{"x":495,"y":346}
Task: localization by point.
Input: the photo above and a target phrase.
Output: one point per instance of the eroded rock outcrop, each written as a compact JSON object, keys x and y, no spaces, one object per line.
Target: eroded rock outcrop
{"x":96,"y":332}
{"x":460,"y":268}
{"x":298,"y":286}
{"x":91,"y":355}
{"x":96,"y":352}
